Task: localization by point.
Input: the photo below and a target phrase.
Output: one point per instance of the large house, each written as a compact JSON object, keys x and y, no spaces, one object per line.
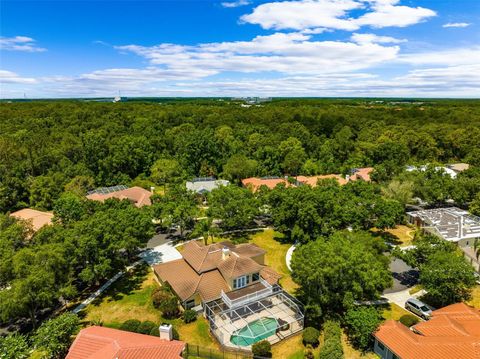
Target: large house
{"x":136,"y":195}
{"x":105,"y":343}
{"x":453,"y":332}
{"x":205,"y":272}
{"x":237,"y":292}
{"x":36,"y":218}
{"x":313,"y":180}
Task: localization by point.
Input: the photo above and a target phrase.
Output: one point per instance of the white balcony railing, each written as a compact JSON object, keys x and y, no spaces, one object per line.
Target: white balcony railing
{"x":247,"y":298}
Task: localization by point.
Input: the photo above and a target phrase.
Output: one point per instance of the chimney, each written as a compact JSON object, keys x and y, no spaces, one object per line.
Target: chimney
{"x":166,"y":331}
{"x":225,"y":253}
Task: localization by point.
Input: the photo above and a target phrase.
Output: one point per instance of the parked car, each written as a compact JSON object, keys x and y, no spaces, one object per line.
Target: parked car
{"x":419,"y":308}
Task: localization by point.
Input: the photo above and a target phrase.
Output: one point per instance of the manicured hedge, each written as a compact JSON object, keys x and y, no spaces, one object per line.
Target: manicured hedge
{"x":189,"y":316}
{"x":332,"y":345}
{"x":409,"y":320}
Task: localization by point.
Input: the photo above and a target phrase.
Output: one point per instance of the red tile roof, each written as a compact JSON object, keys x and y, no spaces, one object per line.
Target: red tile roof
{"x":106,"y":343}
{"x":255,"y":183}
{"x":38,"y":219}
{"x":138,"y":196}
{"x":453,"y":332}
{"x":312,"y":180}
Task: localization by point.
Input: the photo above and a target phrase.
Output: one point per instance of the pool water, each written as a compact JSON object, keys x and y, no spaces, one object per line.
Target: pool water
{"x":254,"y":331}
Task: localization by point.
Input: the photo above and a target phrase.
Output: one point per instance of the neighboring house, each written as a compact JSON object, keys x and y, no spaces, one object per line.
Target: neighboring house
{"x":361,"y":174}
{"x":452,"y":224}
{"x":459,"y":167}
{"x":105,"y":343}
{"x":446,"y":170}
{"x":255,"y":183}
{"x":313,"y":180}
{"x":453,"y":332}
{"x":238,"y":294}
{"x":136,"y":195}
{"x":36,"y":218}
{"x":205,"y":185}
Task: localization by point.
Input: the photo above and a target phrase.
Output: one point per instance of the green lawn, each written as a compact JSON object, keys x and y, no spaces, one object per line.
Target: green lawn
{"x":130,"y":298}
{"x":394,"y":312}
{"x":275,"y":256}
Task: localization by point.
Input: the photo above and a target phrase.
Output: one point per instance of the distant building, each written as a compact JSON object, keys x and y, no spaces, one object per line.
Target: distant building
{"x":255,"y":183}
{"x":452,"y":224}
{"x":204,"y":185}
{"x":36,"y":218}
{"x":136,"y":195}
{"x":459,"y":167}
{"x":361,"y":174}
{"x":313,"y":180}
{"x":453,"y":332}
{"x":446,"y":170}
{"x":106,"y":343}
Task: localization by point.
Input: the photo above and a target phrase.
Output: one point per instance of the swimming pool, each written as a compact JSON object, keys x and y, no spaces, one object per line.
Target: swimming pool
{"x":254,"y":331}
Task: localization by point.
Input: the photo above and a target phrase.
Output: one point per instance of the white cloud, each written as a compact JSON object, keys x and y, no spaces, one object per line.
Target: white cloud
{"x":236,"y":3}
{"x":292,"y":53}
{"x":385,"y":14}
{"x":372,"y":38}
{"x":335,"y":14}
{"x":446,"y":57}
{"x":456,"y":24}
{"x":19,"y":43}
{"x":304,"y":14}
{"x":8,"y":77}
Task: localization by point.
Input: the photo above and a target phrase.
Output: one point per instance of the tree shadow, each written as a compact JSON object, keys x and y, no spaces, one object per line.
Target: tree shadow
{"x":387,"y":237}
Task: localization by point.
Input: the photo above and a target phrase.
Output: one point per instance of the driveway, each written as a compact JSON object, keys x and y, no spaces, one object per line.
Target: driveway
{"x":160,"y":249}
{"x":404,"y":276}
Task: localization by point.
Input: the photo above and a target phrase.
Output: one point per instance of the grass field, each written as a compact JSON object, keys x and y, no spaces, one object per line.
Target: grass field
{"x":130,"y":298}
{"x":275,"y":256}
{"x":401,"y":235}
{"x":394,"y":312}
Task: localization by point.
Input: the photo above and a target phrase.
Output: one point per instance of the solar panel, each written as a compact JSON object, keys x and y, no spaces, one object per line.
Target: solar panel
{"x":106,"y":190}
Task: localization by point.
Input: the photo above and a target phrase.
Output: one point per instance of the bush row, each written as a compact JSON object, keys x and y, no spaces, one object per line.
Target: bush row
{"x":332,"y":345}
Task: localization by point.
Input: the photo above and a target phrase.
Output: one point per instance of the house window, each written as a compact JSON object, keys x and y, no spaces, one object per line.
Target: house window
{"x":255,"y":277}
{"x":381,"y":346}
{"x":189,"y":304}
{"x":240,"y":282}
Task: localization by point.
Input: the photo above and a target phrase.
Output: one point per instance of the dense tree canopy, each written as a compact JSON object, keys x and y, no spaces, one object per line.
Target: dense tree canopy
{"x":335,"y":271}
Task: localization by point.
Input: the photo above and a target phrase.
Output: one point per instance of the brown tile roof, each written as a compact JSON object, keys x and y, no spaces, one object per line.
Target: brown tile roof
{"x":235,"y":266}
{"x":106,"y":343}
{"x":181,"y":277}
{"x":202,"y":258}
{"x":203,"y":269}
{"x":38,"y":219}
{"x":453,"y":332}
{"x":313,"y":180}
{"x":255,"y":183}
{"x":362,"y":174}
{"x":138,"y":196}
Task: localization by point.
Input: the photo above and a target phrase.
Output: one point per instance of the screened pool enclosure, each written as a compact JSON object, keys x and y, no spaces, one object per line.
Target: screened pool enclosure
{"x":271,"y":316}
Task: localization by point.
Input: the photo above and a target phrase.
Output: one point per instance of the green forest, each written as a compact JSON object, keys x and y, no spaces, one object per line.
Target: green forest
{"x":53,"y":152}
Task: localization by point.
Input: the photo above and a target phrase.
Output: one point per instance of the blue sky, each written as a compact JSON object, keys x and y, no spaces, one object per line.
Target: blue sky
{"x":240,"y":48}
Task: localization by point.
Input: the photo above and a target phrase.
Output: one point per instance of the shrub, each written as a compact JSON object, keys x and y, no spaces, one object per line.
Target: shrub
{"x":145,"y":327}
{"x":189,"y":316}
{"x":155,"y":332}
{"x":130,"y":325}
{"x":310,"y":337}
{"x":361,"y":323}
{"x":408,"y":320}
{"x":262,"y":349}
{"x":175,"y":334}
{"x":14,"y":346}
{"x":332,"y":345}
{"x":166,"y":302}
{"x":55,"y":335}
